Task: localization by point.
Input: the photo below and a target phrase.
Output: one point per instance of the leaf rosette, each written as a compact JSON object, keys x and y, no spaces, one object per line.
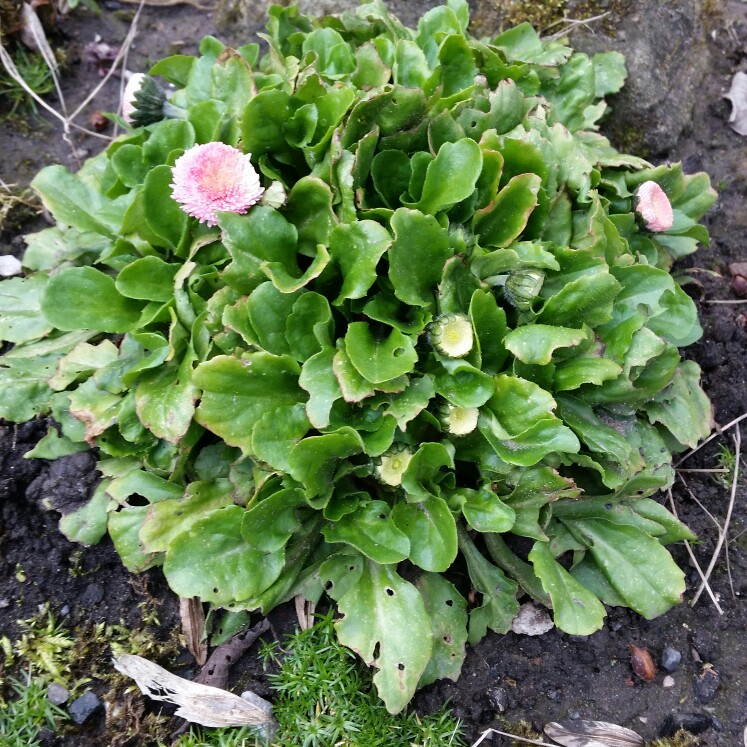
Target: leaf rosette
{"x":441,"y":327}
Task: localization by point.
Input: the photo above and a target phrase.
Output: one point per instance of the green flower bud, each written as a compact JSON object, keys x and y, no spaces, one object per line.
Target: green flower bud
{"x":452,"y":335}
{"x":459,"y":421}
{"x":393,"y":464}
{"x":522,"y":287}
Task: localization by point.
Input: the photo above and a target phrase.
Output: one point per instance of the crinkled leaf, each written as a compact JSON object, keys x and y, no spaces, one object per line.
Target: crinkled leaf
{"x":431,"y":530}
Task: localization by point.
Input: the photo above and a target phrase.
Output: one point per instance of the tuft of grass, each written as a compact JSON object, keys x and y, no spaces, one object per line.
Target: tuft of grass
{"x":23,"y":717}
{"x":324,"y":696}
{"x":726,"y":460}
{"x":44,"y":646}
{"x":14,"y":100}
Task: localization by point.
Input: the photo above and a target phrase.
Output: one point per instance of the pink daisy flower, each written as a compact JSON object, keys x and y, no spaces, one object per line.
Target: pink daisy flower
{"x":654,"y":207}
{"x":212,"y":177}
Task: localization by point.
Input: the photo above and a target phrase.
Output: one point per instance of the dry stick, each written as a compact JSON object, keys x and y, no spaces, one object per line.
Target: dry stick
{"x":727,"y":520}
{"x":572,"y":25}
{"x":694,"y":560}
{"x":745,"y":301}
{"x":718,"y":470}
{"x":11,"y":69}
{"x":488,"y":732}
{"x":713,"y":435}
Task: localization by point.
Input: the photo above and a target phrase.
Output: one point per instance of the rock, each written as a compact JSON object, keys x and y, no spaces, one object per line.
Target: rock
{"x":92,"y":595}
{"x":665,"y":47}
{"x":498,"y":698}
{"x":532,"y":620}
{"x":670,"y":659}
{"x":57,"y":694}
{"x":668,"y":681}
{"x":695,"y":723}
{"x":707,"y":684}
{"x":84,"y":707}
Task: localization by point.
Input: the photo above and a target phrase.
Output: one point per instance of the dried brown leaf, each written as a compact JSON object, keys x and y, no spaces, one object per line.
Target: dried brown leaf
{"x":199,"y":704}
{"x":193,"y":627}
{"x":738,"y":97}
{"x":592,"y":734}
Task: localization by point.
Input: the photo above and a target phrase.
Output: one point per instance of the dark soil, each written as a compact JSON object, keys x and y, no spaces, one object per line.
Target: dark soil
{"x":506,"y":679}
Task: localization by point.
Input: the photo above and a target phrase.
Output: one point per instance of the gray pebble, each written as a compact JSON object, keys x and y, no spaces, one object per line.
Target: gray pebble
{"x":84,"y":707}
{"x":57,"y":694}
{"x":498,"y":698}
{"x":670,"y":659}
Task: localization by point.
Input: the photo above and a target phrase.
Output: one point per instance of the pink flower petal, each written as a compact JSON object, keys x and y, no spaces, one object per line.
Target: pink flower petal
{"x":654,"y":207}
{"x":213,"y":177}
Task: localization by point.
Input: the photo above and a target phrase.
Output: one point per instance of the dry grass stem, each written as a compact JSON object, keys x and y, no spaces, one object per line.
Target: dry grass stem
{"x":66,"y":119}
{"x":718,"y":301}
{"x":727,"y":520}
{"x":571,"y":25}
{"x":489,"y":732}
{"x":694,"y":560}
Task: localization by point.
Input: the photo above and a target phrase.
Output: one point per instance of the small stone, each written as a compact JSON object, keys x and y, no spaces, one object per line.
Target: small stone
{"x":498,"y":698}
{"x":92,"y":595}
{"x":695,"y":723}
{"x":84,"y":707}
{"x":670,"y":659}
{"x":574,"y":715}
{"x":707,"y":684}
{"x":57,"y":694}
{"x":532,"y":620}
{"x":668,"y":681}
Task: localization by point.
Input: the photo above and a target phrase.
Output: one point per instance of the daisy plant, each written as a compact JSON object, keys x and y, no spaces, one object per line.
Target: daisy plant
{"x":377,"y":314}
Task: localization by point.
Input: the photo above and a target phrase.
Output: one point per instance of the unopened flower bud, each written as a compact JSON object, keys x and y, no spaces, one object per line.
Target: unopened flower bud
{"x":459,"y":421}
{"x":393,"y":464}
{"x":654,"y":207}
{"x":452,"y":335}
{"x":144,"y":101}
{"x":523,"y":286}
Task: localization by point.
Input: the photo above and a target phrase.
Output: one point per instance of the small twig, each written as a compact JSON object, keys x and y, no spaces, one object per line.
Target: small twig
{"x":488,"y":732}
{"x":702,"y":507}
{"x":713,"y":435}
{"x":727,"y":520}
{"x":719,"y":470}
{"x":572,"y":24}
{"x":727,"y":302}
{"x":694,"y":560}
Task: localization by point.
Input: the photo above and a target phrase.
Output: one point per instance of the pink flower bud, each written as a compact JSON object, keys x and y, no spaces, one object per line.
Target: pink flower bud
{"x":128,"y":96}
{"x":654,"y":207}
{"x":213,"y":177}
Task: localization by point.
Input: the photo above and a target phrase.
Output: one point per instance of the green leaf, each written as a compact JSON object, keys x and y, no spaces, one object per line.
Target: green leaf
{"x":576,"y":610}
{"x":451,"y":176}
{"x":213,"y":561}
{"x":609,"y":73}
{"x":483,"y":509}
{"x":167,"y":519}
{"x":318,"y":379}
{"x":372,"y":530}
{"x":85,"y":298}
{"x":123,"y":527}
{"x":70,"y":200}
{"x":167,"y":136}
{"x":165,"y":398}
{"x":683,"y":407}
{"x":21,"y":319}
{"x":87,"y":525}
{"x":417,"y":256}
{"x":499,"y":605}
{"x":447,"y":610}
{"x":503,"y":220}
{"x":356,"y":248}
{"x":431,"y":529}
{"x":640,"y":570}
{"x":277,"y":432}
{"x":270,"y":523}
{"x":386,"y":623}
{"x":536,"y":343}
{"x":421,"y":478}
{"x":164,"y":216}
{"x":147,"y":279}
{"x":334,"y":58}
{"x":314,"y":461}
{"x":379,"y":359}
{"x":587,"y":300}
{"x":236,"y":394}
